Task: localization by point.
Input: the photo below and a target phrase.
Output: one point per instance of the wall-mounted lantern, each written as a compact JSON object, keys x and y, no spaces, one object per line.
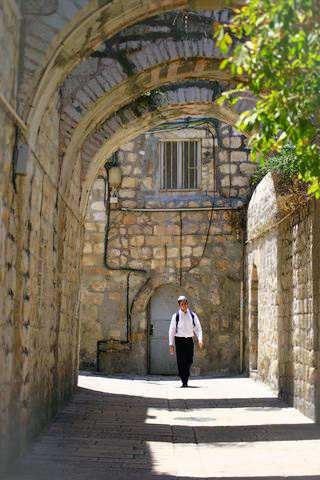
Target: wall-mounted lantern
{"x":114,"y":182}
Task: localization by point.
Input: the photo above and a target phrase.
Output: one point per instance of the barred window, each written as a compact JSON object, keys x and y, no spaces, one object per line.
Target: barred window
{"x":180,"y":163}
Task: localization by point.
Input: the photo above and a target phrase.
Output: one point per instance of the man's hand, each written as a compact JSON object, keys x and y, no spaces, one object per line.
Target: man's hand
{"x":171,"y":348}
{"x":200,"y":344}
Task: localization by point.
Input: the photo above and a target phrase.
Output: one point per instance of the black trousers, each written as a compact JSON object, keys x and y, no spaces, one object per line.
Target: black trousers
{"x":184,"y":352}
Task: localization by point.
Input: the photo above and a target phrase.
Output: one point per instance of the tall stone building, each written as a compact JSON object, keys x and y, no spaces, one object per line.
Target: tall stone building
{"x":90,"y":269}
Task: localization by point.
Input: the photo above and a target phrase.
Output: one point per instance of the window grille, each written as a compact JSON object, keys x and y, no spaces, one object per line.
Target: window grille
{"x":180,"y":163}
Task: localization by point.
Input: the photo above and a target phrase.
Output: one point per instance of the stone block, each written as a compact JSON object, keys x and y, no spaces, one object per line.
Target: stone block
{"x":115,"y":243}
{"x":223,"y":156}
{"x":229,"y":192}
{"x":186,"y":263}
{"x":238,"y":157}
{"x":137,"y":241}
{"x":89,"y":260}
{"x":98,"y":248}
{"x":190,"y":240}
{"x":159,"y":230}
{"x":114,"y":253}
{"x":172,"y":252}
{"x":99,"y":185}
{"x":235,"y":142}
{"x":127,"y":193}
{"x":248,"y":168}
{"x":228,"y":168}
{"x":135,"y":253}
{"x":226,"y":181}
{"x":128,"y":182}
{"x":134,"y":230}
{"x":99,"y":216}
{"x":92,"y":298}
{"x":127,"y":147}
{"x":173,"y":230}
{"x":87,"y":248}
{"x":129,"y":219}
{"x":147,"y":230}
{"x":126,"y":169}
{"x":148,"y":183}
{"x":240,"y":181}
{"x":128,"y":204}
{"x":158,"y":253}
{"x":91,"y":226}
{"x":99,"y":285}
{"x":186,"y":251}
{"x":99,"y":206}
{"x":197,"y":251}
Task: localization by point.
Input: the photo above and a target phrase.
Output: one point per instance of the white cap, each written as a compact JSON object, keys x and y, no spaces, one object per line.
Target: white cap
{"x":182,"y":297}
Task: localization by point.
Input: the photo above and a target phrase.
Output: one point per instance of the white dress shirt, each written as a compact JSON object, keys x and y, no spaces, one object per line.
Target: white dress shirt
{"x":185,"y":326}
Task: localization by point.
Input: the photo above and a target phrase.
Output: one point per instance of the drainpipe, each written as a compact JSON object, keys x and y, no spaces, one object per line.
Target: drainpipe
{"x":101,"y":344}
{"x":242,"y":301}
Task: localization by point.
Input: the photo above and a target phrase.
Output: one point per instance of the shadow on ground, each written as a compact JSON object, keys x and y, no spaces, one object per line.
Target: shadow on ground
{"x":101,"y":436}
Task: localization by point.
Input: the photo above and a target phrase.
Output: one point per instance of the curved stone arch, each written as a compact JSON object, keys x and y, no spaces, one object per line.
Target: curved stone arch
{"x":147,"y":122}
{"x":94,"y":24}
{"x":128,"y":91}
{"x":146,"y":292}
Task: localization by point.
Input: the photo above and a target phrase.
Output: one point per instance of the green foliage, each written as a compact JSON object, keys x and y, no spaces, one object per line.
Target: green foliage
{"x":284,"y":164}
{"x":151,"y":99}
{"x":112,"y":161}
{"x":275,"y":47}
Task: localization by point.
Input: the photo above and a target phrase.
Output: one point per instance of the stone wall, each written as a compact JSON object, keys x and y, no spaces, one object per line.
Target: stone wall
{"x":9,"y":41}
{"x":40,"y":238}
{"x":200,"y":251}
{"x":286,"y":259}
{"x":262,"y":276}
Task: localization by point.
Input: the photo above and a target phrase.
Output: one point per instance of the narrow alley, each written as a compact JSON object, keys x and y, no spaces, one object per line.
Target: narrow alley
{"x":129,"y":178}
{"x":136,"y":427}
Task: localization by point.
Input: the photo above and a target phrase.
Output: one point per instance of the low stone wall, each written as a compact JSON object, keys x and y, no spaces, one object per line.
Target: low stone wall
{"x":262,"y":284}
{"x":287,"y":269}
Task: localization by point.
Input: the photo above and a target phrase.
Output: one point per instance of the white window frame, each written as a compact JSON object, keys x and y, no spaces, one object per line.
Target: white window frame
{"x":179,"y":142}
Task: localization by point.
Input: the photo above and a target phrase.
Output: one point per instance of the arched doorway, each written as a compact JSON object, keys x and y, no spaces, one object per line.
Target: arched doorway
{"x":163,"y":304}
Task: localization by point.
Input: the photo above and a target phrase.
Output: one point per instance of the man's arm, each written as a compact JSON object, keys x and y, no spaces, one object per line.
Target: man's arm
{"x":198,"y":329}
{"x":172,"y":332}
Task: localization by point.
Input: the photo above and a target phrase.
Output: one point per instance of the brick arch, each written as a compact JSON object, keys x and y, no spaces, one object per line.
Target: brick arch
{"x":141,"y":125}
{"x":129,"y":90}
{"x":94,"y":24}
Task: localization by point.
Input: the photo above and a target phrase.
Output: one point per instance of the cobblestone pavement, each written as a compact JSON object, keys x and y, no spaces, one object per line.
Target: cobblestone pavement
{"x":129,"y":427}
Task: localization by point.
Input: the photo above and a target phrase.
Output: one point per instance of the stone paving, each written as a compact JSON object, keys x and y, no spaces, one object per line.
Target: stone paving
{"x":129,"y":427}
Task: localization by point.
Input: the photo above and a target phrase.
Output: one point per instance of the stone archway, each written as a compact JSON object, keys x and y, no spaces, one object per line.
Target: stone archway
{"x":129,"y":90}
{"x":139,"y":125}
{"x":91,"y":26}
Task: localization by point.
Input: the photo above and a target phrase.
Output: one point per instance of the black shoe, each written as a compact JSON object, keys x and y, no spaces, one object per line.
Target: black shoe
{"x":184,"y":385}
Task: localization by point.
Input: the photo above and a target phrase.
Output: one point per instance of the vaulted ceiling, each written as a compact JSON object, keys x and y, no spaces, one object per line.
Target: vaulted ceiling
{"x":104,"y":56}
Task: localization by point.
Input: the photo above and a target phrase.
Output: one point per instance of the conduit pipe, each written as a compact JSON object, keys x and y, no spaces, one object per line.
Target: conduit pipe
{"x":184,"y":209}
{"x":13,"y":114}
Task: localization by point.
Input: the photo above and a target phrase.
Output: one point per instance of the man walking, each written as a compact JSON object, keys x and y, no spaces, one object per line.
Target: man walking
{"x":182,"y":326}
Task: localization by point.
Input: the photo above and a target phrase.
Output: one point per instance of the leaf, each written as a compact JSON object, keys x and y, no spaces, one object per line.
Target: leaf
{"x":224,"y":63}
{"x":227,"y":38}
{"x":282,"y":136}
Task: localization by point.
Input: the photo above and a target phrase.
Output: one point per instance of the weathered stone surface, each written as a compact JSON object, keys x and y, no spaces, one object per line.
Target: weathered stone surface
{"x":281,"y":316}
{"x":41,"y":235}
{"x":164,"y":244}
